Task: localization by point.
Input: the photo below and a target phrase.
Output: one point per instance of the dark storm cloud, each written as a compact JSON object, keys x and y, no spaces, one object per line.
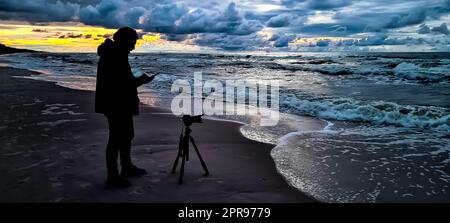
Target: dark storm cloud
{"x":280,"y":20}
{"x":291,"y":3}
{"x":323,"y":43}
{"x":441,"y":29}
{"x":79,"y":2}
{"x":424,"y":29}
{"x":170,"y":18}
{"x":369,"y":20}
{"x":152,"y":16}
{"x":106,"y":13}
{"x":281,"y":39}
{"x":174,"y":37}
{"x":234,"y":25}
{"x":327,"y":4}
{"x":38,"y":10}
{"x":285,"y":20}
{"x":413,"y":17}
{"x":227,"y":42}
{"x":228,"y":21}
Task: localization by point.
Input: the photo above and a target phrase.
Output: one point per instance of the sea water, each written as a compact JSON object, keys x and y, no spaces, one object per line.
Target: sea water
{"x":354,"y":127}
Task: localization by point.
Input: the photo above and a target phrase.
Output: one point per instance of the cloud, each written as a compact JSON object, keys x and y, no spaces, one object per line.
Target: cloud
{"x":38,"y":10}
{"x":424,"y":29}
{"x":73,"y":35}
{"x":292,"y":19}
{"x":40,"y":30}
{"x":323,"y":43}
{"x":106,"y":13}
{"x":70,"y":35}
{"x":381,"y":21}
{"x":235,"y":25}
{"x":280,"y":20}
{"x":226,"y":42}
{"x":281,"y":39}
{"x":174,"y":37}
{"x":163,"y":18}
{"x":441,"y":29}
{"x":170,"y":18}
{"x":377,"y":16}
{"x":327,"y":4}
{"x":413,"y":17}
{"x":291,"y":3}
{"x":229,"y":21}
{"x":133,"y":15}
{"x":376,"y":40}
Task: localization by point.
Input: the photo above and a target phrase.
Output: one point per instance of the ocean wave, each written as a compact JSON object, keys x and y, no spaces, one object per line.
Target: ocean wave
{"x":310,"y":66}
{"x":417,"y":72}
{"x":377,"y":112}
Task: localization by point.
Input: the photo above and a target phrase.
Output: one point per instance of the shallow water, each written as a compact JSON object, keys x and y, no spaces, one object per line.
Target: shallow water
{"x":367,"y":164}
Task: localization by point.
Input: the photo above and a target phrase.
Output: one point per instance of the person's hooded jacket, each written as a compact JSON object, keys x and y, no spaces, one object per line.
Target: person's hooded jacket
{"x":116,"y":88}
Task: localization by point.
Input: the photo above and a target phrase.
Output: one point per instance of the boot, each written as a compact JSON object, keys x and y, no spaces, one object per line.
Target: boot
{"x":132,"y":171}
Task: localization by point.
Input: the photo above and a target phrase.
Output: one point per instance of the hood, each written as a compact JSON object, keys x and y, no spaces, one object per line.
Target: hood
{"x":106,"y":48}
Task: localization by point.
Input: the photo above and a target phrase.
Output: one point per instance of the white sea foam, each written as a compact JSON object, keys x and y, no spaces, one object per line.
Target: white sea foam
{"x":377,"y":112}
{"x":366,"y":164}
{"x":415,"y":72}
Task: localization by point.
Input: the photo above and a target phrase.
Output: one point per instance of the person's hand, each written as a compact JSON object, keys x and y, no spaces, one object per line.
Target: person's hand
{"x":147,"y":78}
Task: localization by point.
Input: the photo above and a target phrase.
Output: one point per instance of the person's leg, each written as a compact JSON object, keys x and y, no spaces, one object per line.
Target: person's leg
{"x":112,"y":153}
{"x":115,"y":143}
{"x":128,"y":135}
{"x":128,"y":169}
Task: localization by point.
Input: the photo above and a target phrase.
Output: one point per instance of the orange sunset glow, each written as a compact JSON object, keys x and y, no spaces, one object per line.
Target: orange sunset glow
{"x":61,"y":37}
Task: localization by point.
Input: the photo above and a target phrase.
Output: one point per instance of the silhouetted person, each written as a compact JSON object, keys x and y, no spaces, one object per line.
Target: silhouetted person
{"x":116,"y":97}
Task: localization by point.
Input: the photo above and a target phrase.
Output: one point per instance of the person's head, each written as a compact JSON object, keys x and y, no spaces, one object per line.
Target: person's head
{"x":126,"y":38}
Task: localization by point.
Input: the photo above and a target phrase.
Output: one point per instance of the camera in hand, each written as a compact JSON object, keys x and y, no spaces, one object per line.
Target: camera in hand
{"x":188,"y":120}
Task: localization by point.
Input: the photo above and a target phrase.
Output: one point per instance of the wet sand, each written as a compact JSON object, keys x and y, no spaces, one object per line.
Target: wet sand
{"x":52,"y":148}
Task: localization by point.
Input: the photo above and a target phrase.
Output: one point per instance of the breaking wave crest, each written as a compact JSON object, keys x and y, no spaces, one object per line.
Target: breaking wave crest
{"x":377,"y":112}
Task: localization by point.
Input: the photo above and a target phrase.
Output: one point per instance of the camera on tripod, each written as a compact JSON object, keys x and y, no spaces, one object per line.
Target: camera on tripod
{"x":183,"y":145}
{"x":188,"y":120}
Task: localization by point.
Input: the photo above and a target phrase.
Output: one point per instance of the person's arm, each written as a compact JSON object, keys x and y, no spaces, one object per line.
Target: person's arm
{"x":144,"y":79}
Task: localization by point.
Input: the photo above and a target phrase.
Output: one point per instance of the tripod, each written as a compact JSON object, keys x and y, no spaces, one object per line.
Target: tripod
{"x":183,"y":152}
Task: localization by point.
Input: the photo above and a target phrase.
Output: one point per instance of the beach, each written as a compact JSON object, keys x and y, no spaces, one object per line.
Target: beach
{"x":353,"y":127}
{"x":53,"y":144}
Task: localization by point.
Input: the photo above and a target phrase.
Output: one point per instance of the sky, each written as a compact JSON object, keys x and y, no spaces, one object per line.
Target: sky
{"x":222,"y":25}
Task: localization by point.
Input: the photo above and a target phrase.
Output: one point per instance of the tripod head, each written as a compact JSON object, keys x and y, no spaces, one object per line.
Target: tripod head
{"x":189,"y":120}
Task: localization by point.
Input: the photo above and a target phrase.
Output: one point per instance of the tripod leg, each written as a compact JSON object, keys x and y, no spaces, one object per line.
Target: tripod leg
{"x":178,"y":154}
{"x":187,"y":150}
{"x":199,"y":156}
{"x":183,"y":159}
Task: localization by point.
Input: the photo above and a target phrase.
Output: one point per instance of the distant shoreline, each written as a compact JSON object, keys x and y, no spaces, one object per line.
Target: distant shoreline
{"x":7,"y":50}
